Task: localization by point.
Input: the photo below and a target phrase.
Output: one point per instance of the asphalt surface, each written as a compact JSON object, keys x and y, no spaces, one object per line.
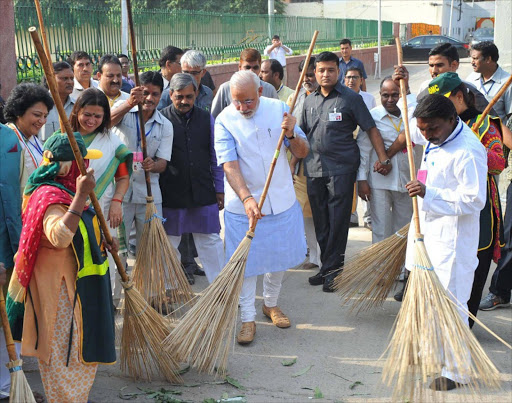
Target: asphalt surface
{"x":337,"y":353}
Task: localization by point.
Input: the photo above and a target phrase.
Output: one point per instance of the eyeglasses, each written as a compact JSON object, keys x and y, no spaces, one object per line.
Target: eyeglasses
{"x":193,"y":73}
{"x":352,"y":77}
{"x":247,"y":102}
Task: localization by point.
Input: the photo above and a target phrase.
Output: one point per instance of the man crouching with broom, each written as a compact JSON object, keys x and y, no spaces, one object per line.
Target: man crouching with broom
{"x":451,"y":185}
{"x":246,"y":136}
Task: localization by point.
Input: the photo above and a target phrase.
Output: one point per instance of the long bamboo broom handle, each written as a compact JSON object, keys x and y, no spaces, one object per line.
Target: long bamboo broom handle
{"x":9,"y":342}
{"x":281,"y":137}
{"x":52,"y":85}
{"x":412,"y":166}
{"x":488,"y":108}
{"x":142,"y":125}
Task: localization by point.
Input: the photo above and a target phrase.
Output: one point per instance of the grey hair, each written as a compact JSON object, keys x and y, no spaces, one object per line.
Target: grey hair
{"x":194,"y":58}
{"x":180,"y":81}
{"x":244,"y":78}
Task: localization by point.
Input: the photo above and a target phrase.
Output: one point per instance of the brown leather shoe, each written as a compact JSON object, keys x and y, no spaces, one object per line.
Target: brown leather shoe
{"x":278,"y":317}
{"x":247,"y":332}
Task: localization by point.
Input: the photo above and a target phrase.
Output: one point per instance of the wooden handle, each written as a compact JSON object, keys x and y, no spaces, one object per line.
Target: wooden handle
{"x":9,"y":342}
{"x":281,"y":137}
{"x":410,"y":153}
{"x":488,"y":108}
{"x":52,"y":85}
{"x":142,"y":125}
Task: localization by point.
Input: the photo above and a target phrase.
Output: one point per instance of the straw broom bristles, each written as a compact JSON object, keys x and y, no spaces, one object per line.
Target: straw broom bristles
{"x":144,"y":329}
{"x":368,"y":277}
{"x":430,"y":335}
{"x":157,"y":266}
{"x":205,"y":333}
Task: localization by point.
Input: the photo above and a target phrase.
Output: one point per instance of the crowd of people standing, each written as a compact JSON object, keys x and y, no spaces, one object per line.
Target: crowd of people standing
{"x":209,"y":149}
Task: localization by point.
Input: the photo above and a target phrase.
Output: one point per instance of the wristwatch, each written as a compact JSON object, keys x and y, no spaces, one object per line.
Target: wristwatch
{"x":387,"y":162}
{"x":294,"y":135}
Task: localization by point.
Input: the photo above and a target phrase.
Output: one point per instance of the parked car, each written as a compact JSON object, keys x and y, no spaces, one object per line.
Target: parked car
{"x":482,"y":35}
{"x":417,"y":48}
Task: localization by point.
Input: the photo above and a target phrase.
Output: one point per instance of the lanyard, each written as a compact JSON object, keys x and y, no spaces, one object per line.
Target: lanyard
{"x":428,"y":149}
{"x":397,"y":128}
{"x":32,"y":148}
{"x":482,"y":84}
{"x":138,"y":130}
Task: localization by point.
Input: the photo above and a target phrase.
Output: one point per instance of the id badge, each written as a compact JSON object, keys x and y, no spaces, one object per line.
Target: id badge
{"x":335,"y":117}
{"x":137,"y":160}
{"x":422,"y":176}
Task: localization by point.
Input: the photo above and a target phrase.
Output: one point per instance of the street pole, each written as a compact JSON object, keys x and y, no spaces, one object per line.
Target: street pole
{"x":450,"y":24}
{"x":379,"y":44}
{"x":124,"y":27}
{"x":270,"y":18}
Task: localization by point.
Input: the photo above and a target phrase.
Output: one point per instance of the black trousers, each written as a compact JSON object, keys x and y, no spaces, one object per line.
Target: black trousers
{"x":187,"y":249}
{"x":481,"y":272}
{"x":331,"y":204}
{"x":501,"y":282}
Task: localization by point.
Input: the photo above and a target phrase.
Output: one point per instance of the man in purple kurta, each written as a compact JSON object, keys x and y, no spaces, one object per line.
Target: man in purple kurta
{"x":193,"y":184}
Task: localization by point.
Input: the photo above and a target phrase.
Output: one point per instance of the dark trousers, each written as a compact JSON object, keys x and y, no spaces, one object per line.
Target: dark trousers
{"x":187,"y":250}
{"x":501,"y":282}
{"x":481,"y":272}
{"x":331,"y":204}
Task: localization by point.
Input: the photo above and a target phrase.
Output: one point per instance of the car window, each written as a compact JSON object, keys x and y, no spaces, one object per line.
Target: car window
{"x":432,"y":40}
{"x":415,"y":42}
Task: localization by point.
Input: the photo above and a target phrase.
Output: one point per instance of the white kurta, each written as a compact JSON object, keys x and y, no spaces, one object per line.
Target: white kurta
{"x":450,"y":213}
{"x":450,"y":210}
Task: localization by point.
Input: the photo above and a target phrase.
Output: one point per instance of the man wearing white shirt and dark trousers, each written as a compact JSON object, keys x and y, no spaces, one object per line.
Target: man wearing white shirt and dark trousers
{"x":278,"y":51}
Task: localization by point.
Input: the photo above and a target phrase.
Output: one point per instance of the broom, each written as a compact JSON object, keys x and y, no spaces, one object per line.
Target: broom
{"x":20,"y":389}
{"x":143,"y":328}
{"x":205,"y":333}
{"x":429,"y":331}
{"x":156,"y":263}
{"x":369,"y":276}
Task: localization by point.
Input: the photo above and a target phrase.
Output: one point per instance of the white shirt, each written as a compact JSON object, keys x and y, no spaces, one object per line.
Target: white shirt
{"x":159,"y":136}
{"x":278,"y":53}
{"x":253,"y":143}
{"x":78,"y":88}
{"x":369,"y":100}
{"x":52,"y":121}
{"x":456,"y":186}
{"x":389,"y":127}
{"x":491,"y":87}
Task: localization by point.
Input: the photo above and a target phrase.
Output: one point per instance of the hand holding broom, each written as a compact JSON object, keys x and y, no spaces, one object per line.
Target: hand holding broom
{"x":143,"y":327}
{"x":204,"y":335}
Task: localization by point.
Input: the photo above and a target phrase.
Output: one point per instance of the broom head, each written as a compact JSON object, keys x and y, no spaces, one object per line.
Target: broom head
{"x":157,"y":267}
{"x":20,"y":389}
{"x":144,"y":329}
{"x":369,"y":276}
{"x":430,"y":336}
{"x":205,"y":333}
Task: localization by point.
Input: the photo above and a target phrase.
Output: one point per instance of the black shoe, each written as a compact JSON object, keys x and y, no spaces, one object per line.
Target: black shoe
{"x":317,"y":279}
{"x":329,"y":281}
{"x":199,"y":272}
{"x":399,"y":296}
{"x":353,"y":225}
{"x":443,"y":384}
{"x":190,"y":278}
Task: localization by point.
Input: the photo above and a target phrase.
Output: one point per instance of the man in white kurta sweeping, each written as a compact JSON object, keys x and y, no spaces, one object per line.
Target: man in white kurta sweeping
{"x":451,"y":187}
{"x":246,"y":136}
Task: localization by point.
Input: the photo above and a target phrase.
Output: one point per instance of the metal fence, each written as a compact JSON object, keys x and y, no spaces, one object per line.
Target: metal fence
{"x":219,"y":36}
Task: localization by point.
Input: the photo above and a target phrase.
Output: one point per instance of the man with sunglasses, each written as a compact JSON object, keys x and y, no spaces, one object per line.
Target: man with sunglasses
{"x":250,"y":59}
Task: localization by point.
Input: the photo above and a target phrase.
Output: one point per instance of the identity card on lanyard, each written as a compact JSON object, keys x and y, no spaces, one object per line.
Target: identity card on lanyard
{"x":138,"y":157}
{"x":335,"y":116}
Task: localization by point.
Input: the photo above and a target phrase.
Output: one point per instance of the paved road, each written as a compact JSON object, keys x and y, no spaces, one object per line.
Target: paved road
{"x":341,"y":350}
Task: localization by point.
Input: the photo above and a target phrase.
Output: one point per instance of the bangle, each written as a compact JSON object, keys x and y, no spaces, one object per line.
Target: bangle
{"x":247,"y":198}
{"x":118,"y":200}
{"x":74,"y":212}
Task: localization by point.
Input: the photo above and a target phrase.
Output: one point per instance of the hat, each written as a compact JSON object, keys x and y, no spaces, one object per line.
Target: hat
{"x":60,"y":148}
{"x":444,"y":84}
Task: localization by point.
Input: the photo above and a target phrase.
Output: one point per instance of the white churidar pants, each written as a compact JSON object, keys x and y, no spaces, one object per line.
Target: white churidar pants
{"x":271,"y":288}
